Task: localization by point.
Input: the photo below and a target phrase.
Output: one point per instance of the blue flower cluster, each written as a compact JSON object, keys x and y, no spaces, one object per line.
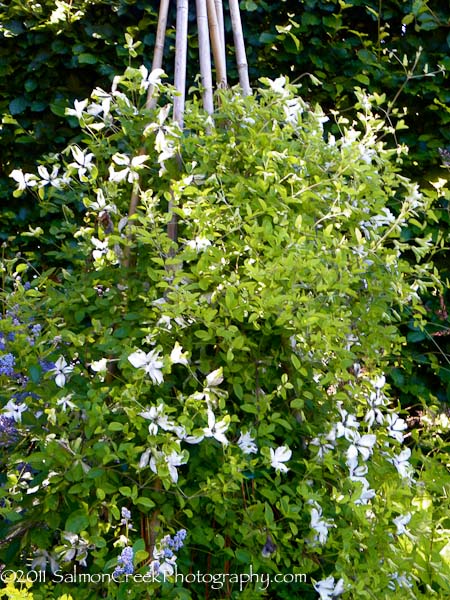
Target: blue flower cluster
{"x":126,"y":516}
{"x":164,"y":555}
{"x":8,"y":432}
{"x":124,"y":562}
{"x":7,"y":362}
{"x":176,"y":542}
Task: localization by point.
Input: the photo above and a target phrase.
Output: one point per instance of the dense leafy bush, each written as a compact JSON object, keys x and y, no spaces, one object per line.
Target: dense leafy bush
{"x":216,"y":401}
{"x":54,"y":52}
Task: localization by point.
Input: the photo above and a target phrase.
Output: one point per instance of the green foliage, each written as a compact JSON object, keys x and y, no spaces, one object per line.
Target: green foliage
{"x":228,"y":382}
{"x":52,"y":53}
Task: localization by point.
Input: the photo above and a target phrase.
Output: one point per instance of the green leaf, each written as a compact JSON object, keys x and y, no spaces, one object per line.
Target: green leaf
{"x":115,"y":426}
{"x":35,"y":373}
{"x":144,"y":502}
{"x":77,"y":521}
{"x":87,"y":59}
{"x":416,"y":336}
{"x":18,"y":105}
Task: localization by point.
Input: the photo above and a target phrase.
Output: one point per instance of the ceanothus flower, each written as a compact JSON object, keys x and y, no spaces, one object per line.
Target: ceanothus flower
{"x":124,"y":562}
{"x":7,"y":362}
{"x":8,"y":431}
{"x":164,"y":559}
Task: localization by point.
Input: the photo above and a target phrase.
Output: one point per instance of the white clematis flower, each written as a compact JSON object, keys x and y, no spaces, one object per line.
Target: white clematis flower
{"x":14,"y":411}
{"x":177,"y":356}
{"x":327,"y":589}
{"x":214,"y":378}
{"x":24,"y":180}
{"x":279,"y":456}
{"x":247,"y":444}
{"x":362,"y":445}
{"x":216,"y":429}
{"x":61,"y":370}
{"x":131,"y":166}
{"x":150,"y":362}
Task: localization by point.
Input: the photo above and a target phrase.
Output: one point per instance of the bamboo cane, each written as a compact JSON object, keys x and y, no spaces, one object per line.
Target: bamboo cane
{"x":205,"y":56}
{"x":241,"y":57}
{"x":216,"y":43}
{"x":158,"y":52}
{"x":150,"y":103}
{"x":180,"y":60}
{"x":180,"y":86}
{"x":221,"y":24}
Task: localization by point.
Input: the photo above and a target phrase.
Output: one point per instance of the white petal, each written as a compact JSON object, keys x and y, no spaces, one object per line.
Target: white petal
{"x":214,"y":378}
{"x":143,"y":462}
{"x":121,"y":159}
{"x":60,"y":379}
{"x":283,"y":453}
{"x":138,"y":359}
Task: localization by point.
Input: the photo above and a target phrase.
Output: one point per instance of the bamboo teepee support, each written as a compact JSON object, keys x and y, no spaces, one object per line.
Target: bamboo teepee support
{"x":211,"y":32}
